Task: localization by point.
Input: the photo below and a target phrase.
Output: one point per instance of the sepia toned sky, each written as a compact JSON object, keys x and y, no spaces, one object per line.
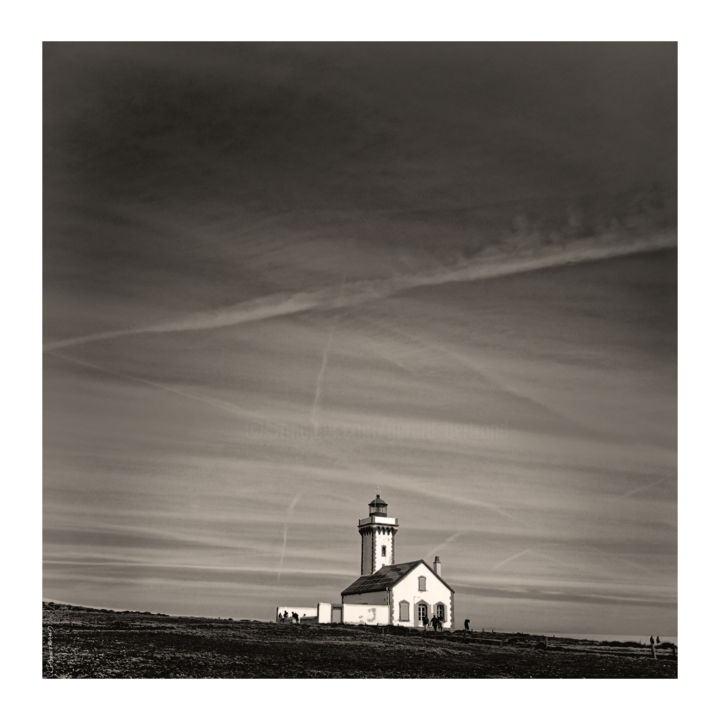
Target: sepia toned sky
{"x":278,"y":277}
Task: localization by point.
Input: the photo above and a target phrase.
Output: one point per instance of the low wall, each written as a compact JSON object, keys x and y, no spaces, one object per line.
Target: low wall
{"x":306,"y":612}
{"x":366,"y":614}
{"x":324,"y":612}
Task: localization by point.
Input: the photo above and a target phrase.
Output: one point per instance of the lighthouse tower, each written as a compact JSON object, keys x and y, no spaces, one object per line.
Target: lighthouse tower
{"x":377,"y":533}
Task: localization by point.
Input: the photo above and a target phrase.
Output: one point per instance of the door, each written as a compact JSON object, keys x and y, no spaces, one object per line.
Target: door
{"x":421,"y":613}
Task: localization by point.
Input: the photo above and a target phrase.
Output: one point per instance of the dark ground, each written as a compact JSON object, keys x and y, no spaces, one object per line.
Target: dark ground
{"x":89,"y":643}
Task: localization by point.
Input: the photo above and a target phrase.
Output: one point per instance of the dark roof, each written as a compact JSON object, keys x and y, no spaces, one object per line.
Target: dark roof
{"x":386,"y":577}
{"x":378,"y":501}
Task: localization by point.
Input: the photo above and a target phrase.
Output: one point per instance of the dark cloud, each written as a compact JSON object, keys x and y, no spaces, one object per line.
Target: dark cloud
{"x":397,"y":127}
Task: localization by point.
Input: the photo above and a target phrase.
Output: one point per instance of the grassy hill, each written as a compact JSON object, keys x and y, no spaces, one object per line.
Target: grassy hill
{"x":86,"y":642}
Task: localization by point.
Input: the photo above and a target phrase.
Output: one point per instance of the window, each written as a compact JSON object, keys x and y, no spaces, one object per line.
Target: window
{"x":384,"y":551}
{"x":422,"y":611}
{"x":404,"y":610}
{"x":421,"y":583}
{"x":440,"y":612}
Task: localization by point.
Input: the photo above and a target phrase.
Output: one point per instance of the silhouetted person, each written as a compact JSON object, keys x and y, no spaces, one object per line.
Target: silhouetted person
{"x":657,"y":640}
{"x":467,"y":624}
{"x":652,"y":645}
{"x":425,"y":621}
{"x":434,"y":622}
{"x":285,"y":615}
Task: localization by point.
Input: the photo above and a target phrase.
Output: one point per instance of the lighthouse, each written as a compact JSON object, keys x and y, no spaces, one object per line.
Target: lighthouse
{"x":377,"y":535}
{"x":387,"y":592}
{"x":392,"y":593}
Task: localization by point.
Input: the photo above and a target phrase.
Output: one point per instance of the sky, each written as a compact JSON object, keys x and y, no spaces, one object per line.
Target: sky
{"x":280,"y":277}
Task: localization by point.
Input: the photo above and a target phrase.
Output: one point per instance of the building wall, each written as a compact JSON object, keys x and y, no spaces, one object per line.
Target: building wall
{"x":324,"y":612}
{"x":372,"y":598}
{"x":384,"y":537}
{"x":366,"y":553}
{"x":374,"y":539}
{"x":376,"y":534}
{"x":329,"y":612}
{"x":435,"y":592}
{"x":366,"y":614}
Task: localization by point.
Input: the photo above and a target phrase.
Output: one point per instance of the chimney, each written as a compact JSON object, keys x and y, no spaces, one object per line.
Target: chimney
{"x":437,"y":567}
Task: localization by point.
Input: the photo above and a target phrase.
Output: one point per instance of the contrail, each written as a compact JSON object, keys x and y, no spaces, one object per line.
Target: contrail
{"x":445,"y":542}
{"x":343,"y":458}
{"x":213,"y":402}
{"x":647,"y":486}
{"x":288,"y":514}
{"x":504,"y":562}
{"x":392,"y":481}
{"x":320,"y":378}
{"x":359,"y":292}
{"x":477,"y":367}
{"x":323,"y":365}
{"x":346,"y":459}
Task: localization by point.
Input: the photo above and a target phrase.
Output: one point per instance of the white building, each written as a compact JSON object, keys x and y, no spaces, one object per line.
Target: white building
{"x":386,"y":593}
{"x":401,"y":593}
